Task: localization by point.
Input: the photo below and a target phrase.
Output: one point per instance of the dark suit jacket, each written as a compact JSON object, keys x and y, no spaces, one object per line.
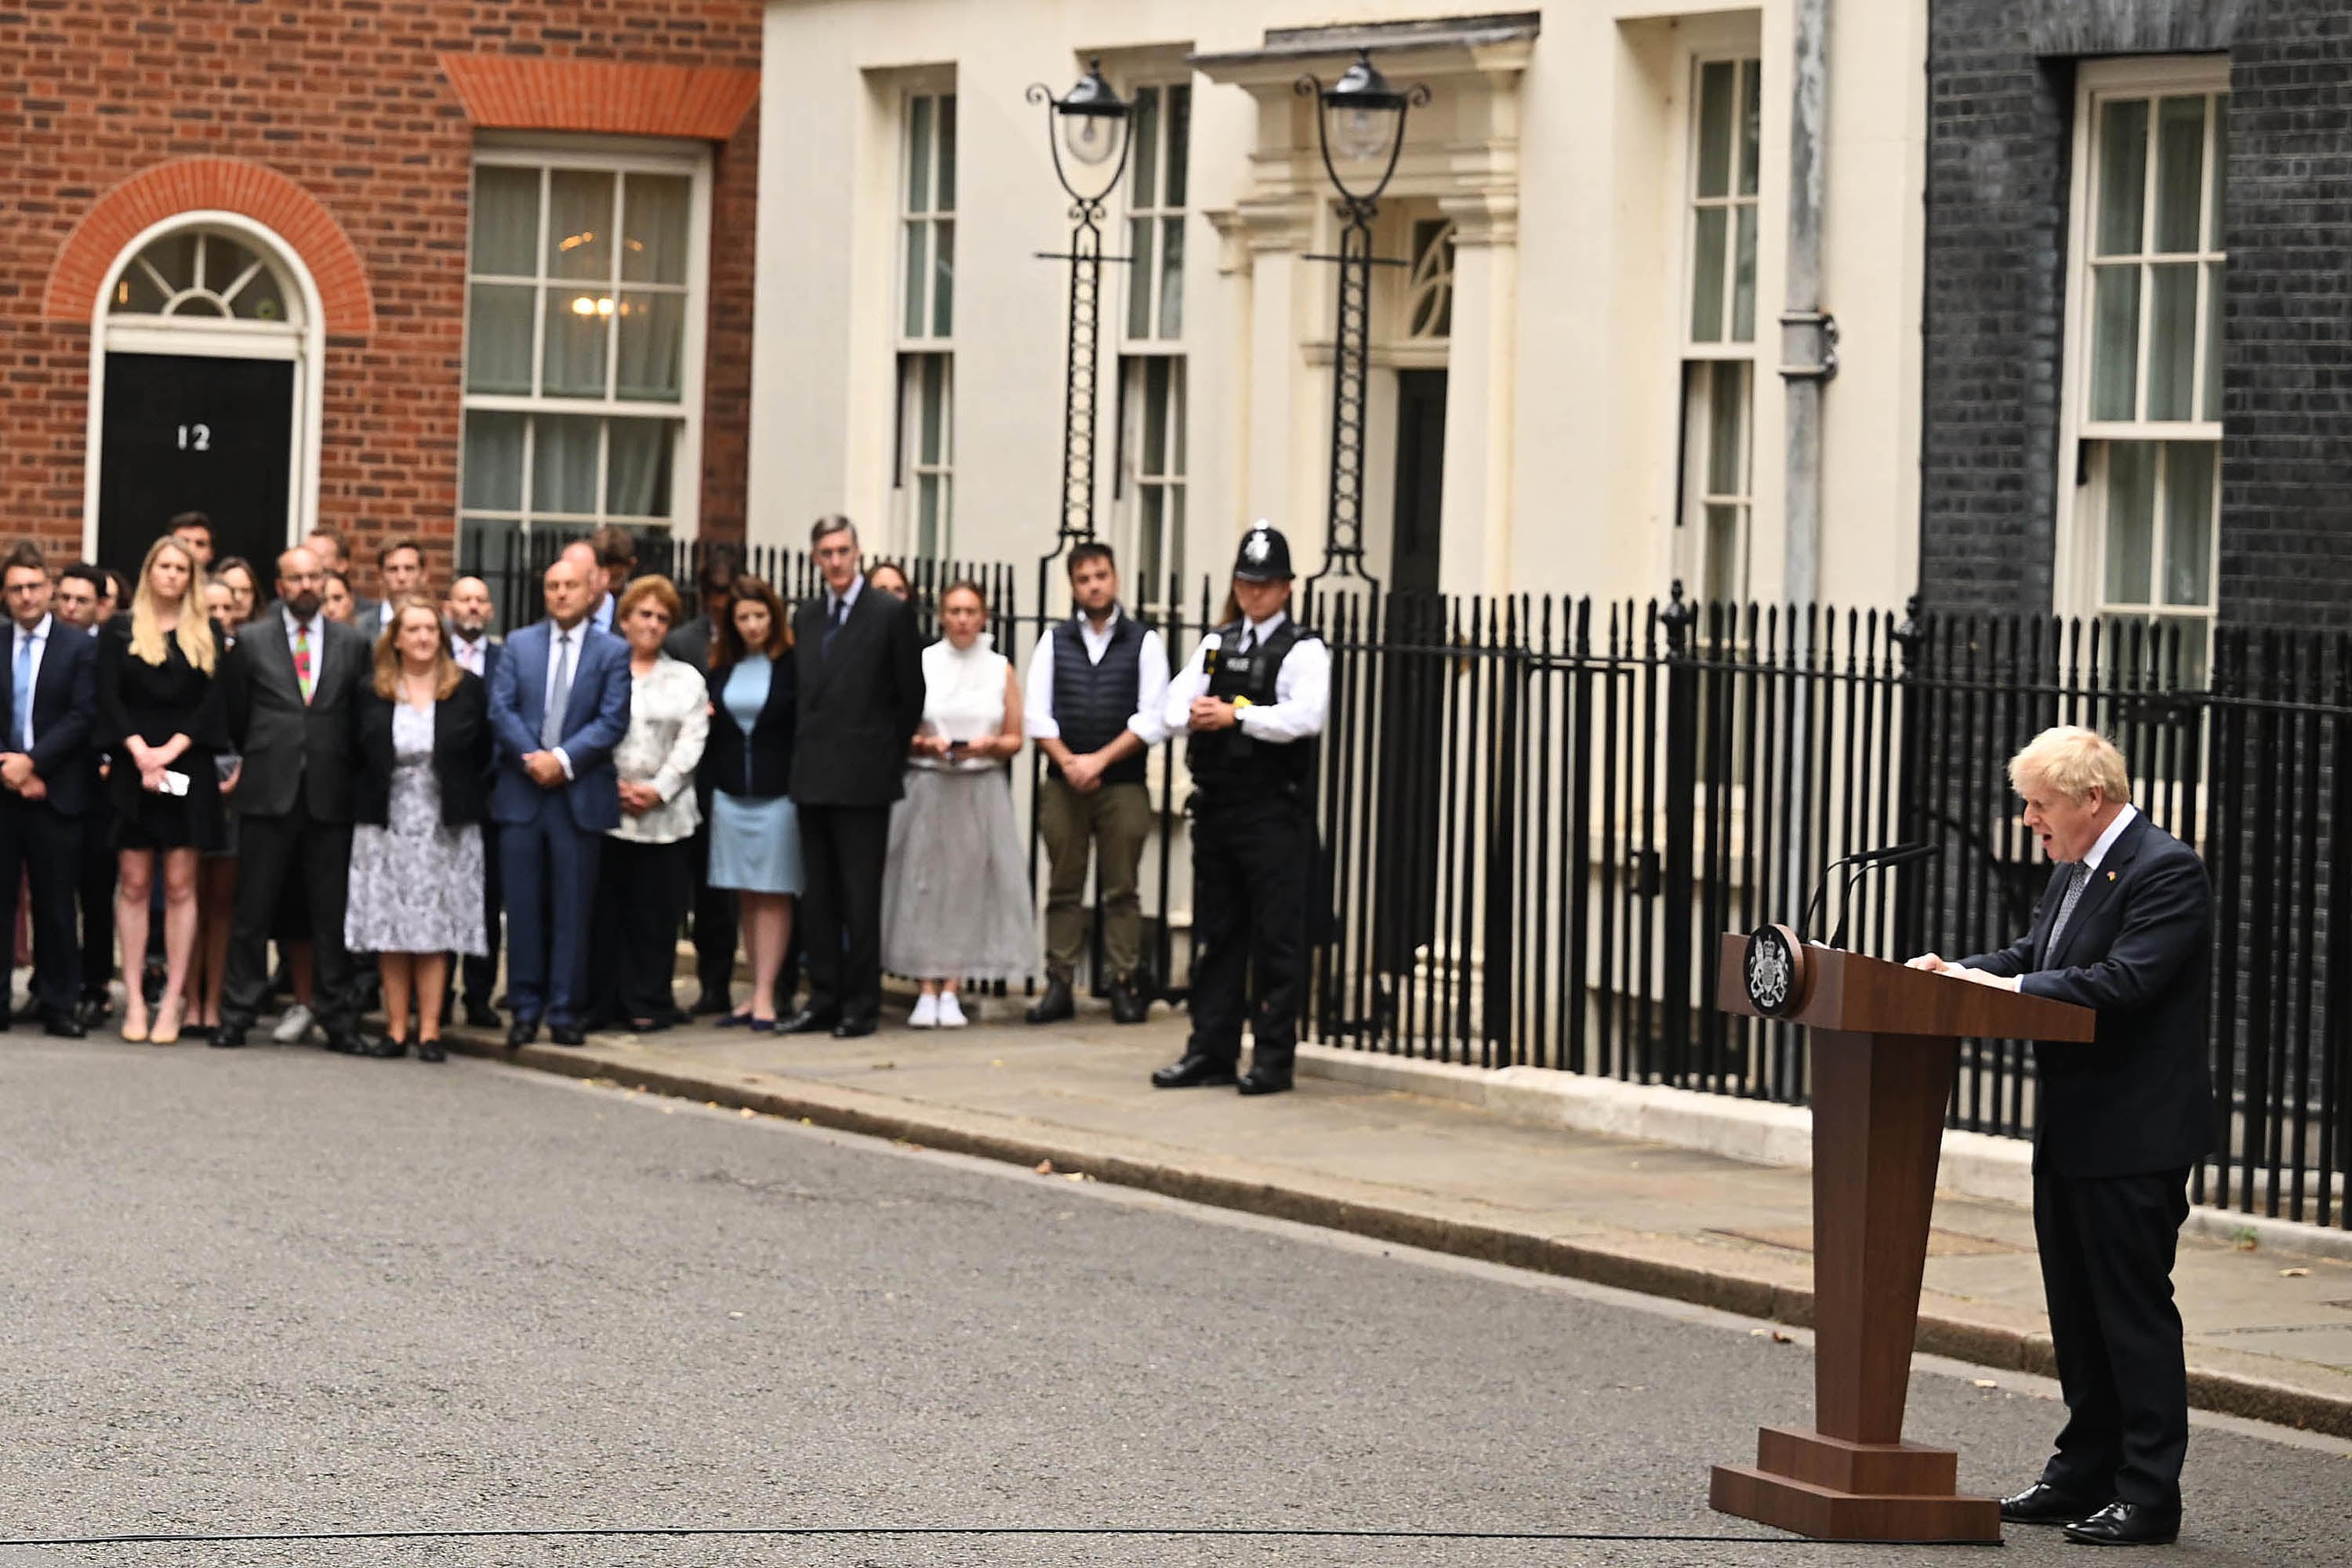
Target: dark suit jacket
{"x":769,"y":747}
{"x":64,"y":708}
{"x":461,"y":755}
{"x":2139,"y":949}
{"x":691,"y":643}
{"x":859,"y":701}
{"x":288,"y":748}
{"x":594,"y":720}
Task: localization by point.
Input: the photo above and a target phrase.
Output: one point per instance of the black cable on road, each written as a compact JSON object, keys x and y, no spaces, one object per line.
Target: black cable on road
{"x":1101,"y":1531}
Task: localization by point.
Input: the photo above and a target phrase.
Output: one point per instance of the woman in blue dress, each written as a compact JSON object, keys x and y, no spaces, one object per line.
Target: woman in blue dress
{"x":755,"y":833}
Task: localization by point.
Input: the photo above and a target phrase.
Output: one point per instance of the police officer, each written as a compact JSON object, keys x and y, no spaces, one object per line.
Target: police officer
{"x":1253,"y":700}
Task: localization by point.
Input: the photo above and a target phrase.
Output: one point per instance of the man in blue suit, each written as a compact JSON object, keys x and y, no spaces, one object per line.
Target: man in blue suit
{"x":559,"y":705}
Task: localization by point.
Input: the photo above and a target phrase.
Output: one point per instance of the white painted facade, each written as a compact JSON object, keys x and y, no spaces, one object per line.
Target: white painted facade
{"x":1563,"y":144}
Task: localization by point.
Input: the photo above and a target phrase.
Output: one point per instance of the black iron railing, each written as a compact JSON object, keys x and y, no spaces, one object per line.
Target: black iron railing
{"x":1537,"y":815}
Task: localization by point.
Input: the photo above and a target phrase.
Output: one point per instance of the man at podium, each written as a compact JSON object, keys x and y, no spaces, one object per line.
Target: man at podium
{"x":2125,"y":927}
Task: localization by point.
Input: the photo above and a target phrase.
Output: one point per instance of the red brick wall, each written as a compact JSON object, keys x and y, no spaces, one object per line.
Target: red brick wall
{"x":347,"y":99}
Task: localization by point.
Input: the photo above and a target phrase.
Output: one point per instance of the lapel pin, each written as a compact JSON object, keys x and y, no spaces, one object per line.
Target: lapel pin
{"x":2111,"y":875}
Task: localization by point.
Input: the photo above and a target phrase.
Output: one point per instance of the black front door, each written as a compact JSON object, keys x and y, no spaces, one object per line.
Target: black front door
{"x":1418,"y":681}
{"x":192,"y":433}
{"x":1420,"y":480}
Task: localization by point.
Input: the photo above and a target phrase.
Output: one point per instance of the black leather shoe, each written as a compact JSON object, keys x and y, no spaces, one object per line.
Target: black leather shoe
{"x":2127,"y":1524}
{"x":92,"y":1011}
{"x":2042,"y":1503}
{"x":480,"y":1017}
{"x":1127,"y":1005}
{"x":430,"y":1050}
{"x":228,"y":1038}
{"x":567,"y":1034}
{"x":522,"y":1032}
{"x":809,"y":1021}
{"x":1195,"y":1071}
{"x":1056,"y":1004}
{"x":712,"y":1002}
{"x":64,"y":1027}
{"x":1258,"y":1080}
{"x":383,"y":1047}
{"x":856,"y":1029}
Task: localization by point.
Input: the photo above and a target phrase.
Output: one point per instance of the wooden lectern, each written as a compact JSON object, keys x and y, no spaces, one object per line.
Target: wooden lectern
{"x":1885,"y":1047}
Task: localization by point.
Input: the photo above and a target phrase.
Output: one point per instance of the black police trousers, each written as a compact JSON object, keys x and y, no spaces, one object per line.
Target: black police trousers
{"x":1251,"y":862}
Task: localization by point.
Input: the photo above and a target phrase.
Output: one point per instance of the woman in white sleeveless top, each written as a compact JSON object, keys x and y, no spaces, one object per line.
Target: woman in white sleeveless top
{"x":956,"y":903}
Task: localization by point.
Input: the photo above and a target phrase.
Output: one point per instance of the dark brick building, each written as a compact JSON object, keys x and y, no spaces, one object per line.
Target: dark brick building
{"x":2140,"y":310}
{"x":295,"y":264}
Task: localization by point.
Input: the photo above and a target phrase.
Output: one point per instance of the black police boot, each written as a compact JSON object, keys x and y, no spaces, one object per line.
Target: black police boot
{"x":1129,"y":1004}
{"x":1056,"y":1004}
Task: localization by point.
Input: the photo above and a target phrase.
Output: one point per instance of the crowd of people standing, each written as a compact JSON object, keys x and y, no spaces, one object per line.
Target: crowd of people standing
{"x":363,"y":803}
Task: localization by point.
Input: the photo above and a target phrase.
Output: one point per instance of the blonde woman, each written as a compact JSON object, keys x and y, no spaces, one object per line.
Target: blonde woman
{"x":160,"y":715}
{"x":417,"y":806}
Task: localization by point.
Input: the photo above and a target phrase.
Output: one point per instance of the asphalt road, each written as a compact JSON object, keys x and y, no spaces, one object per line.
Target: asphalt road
{"x":282,"y":1291}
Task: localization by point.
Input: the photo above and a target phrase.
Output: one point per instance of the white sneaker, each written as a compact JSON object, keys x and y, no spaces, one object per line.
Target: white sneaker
{"x":952,"y":1012}
{"x":295,"y":1026}
{"x":926,"y":1014}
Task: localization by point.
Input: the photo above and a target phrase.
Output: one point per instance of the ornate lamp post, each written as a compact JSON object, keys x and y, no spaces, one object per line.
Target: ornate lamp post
{"x":1087,"y":129}
{"x":1361,"y":124}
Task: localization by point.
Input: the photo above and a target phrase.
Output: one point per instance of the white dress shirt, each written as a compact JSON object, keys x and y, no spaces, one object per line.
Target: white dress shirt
{"x":41,"y":639}
{"x":314,"y":625}
{"x":2107,"y":840}
{"x":1149,"y":723}
{"x":846,"y":598}
{"x":1302,"y":689}
{"x":472,"y":657}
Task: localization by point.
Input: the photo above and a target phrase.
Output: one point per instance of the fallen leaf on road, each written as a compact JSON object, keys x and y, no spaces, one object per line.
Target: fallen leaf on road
{"x":2295,"y":1273}
{"x":1984,"y":1382}
{"x":734,"y":1314}
{"x":1045,"y":1167}
{"x":746,"y":1113}
{"x":884,"y":1067}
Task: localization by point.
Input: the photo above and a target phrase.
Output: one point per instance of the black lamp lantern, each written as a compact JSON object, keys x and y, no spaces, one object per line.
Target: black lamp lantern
{"x":1361,"y":124}
{"x":1087,"y":131}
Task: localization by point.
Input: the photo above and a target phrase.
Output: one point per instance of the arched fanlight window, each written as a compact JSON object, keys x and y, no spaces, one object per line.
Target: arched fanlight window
{"x":1429,"y":292}
{"x":200,"y":274}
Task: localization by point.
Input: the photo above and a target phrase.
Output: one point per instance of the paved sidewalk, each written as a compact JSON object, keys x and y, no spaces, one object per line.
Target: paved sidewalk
{"x":2270,"y":1334}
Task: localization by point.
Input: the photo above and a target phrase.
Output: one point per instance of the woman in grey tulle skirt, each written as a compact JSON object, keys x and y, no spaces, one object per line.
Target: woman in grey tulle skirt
{"x":956,"y":901}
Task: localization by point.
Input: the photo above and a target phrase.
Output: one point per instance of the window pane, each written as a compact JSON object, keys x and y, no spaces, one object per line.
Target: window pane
{"x":136,"y":293}
{"x":1750,"y":126}
{"x":506,"y":220}
{"x":1706,"y":277}
{"x":1139,"y":274}
{"x":493,"y":479}
{"x":576,"y":328}
{"x":1180,"y":135}
{"x":498,"y":338}
{"x":948,"y":153}
{"x":260,"y":299}
{"x":1715,"y":84}
{"x":1176,"y":415}
{"x":2213,"y":340}
{"x":2171,"y":339}
{"x":1155,"y":416}
{"x":2122,"y":176}
{"x":1171,"y":277}
{"x":579,"y":224}
{"x":918,"y":155}
{"x":1150,"y":528}
{"x":653,"y":345}
{"x":933,"y":446}
{"x":943,"y":278}
{"x":2115,"y":340}
{"x":563,"y":464}
{"x":1726,"y":555}
{"x":2217,"y":236}
{"x":653,"y":243}
{"x":638,"y":462}
{"x":1727,"y":438}
{"x":2180,"y":173}
{"x":2131,"y":520}
{"x":1146,"y":132}
{"x":1743,"y":280}
{"x":173,"y":256}
{"x":2188,"y":472}
{"x":930,"y":508}
{"x":918,"y":267}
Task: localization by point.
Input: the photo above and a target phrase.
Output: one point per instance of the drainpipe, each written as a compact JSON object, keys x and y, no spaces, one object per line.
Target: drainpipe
{"x":1808,"y":360}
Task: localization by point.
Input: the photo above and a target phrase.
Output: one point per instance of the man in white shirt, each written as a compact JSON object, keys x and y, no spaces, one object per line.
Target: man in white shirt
{"x":400,"y":568}
{"x":1098,"y":684}
{"x":1254,"y":698}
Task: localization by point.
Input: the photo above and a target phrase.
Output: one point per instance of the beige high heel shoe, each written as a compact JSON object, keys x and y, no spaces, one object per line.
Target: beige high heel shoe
{"x":171,"y":1008}
{"x":134,"y":1024}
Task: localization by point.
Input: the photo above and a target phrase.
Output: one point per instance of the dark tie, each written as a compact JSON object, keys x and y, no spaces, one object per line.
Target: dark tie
{"x":838,"y":620}
{"x":2074,"y":885}
{"x":1249,"y":639}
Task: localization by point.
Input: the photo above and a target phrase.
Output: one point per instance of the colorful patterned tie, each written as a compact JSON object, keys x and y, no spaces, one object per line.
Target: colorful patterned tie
{"x":304,"y":676}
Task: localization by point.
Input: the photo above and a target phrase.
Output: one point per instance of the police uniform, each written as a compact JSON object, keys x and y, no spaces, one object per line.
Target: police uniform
{"x":1253,"y":843}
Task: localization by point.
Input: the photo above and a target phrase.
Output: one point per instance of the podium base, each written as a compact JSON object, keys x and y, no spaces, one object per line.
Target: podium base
{"x":1834,"y":1489}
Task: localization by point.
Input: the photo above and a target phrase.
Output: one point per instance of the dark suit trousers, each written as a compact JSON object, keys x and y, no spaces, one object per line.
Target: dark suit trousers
{"x":1250,"y":866}
{"x":41,"y":848}
{"x":843,"y":848}
{"x":272,"y":851}
{"x":98,"y":873}
{"x":2107,"y":1246}
{"x":632,"y":947}
{"x":549,"y":866}
{"x":481,"y":974}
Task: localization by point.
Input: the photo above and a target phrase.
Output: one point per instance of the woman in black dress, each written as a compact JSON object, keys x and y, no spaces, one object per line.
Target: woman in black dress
{"x":159,"y":705}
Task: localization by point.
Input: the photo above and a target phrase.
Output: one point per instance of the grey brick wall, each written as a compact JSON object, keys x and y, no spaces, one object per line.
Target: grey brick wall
{"x":2000,"y":98}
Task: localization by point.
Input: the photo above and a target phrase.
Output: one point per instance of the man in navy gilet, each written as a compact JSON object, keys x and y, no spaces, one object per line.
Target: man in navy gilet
{"x":1096,"y":685}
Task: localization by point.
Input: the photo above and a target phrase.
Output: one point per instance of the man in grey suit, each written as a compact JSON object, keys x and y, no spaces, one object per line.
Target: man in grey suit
{"x":291,"y":686}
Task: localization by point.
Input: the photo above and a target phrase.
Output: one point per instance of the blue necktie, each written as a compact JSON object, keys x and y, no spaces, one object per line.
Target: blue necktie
{"x":838,"y":620}
{"x":24,"y":690}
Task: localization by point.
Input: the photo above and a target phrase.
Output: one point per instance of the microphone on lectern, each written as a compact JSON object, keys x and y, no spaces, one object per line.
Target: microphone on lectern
{"x":1864,"y":861}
